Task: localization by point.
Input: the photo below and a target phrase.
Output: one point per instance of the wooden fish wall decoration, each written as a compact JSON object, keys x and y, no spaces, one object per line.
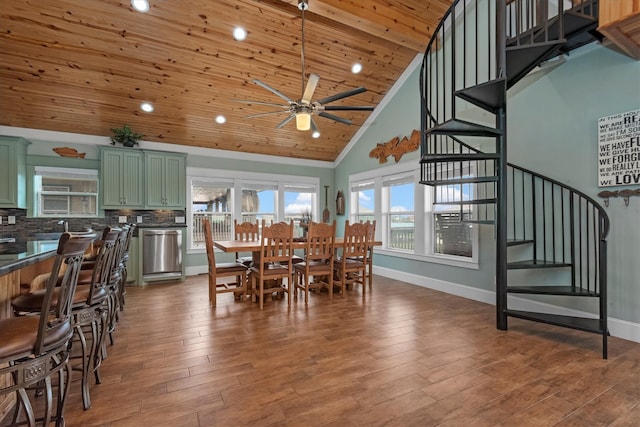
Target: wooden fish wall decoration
{"x":68,"y":152}
{"x":396,"y":147}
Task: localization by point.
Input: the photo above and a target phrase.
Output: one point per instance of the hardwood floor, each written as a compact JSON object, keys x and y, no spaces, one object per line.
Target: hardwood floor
{"x":405,"y":356}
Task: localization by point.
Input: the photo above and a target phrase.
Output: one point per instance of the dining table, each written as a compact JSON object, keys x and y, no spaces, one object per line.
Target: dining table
{"x":254,"y":245}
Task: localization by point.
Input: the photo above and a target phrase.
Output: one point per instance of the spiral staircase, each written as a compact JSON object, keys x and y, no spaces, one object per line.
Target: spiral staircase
{"x":550,"y":238}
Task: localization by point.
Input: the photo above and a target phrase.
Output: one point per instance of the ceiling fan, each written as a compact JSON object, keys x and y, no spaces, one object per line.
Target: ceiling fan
{"x":304,"y":108}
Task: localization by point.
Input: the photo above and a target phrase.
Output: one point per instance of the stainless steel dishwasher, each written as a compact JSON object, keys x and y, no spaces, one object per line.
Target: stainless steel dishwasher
{"x":161,"y":254}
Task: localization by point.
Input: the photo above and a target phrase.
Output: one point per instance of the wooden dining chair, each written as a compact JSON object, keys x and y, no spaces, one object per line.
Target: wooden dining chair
{"x":227,"y":270}
{"x":350,"y":267}
{"x":246,"y":231}
{"x":318,"y":260}
{"x":371,"y":237}
{"x":275,"y":262}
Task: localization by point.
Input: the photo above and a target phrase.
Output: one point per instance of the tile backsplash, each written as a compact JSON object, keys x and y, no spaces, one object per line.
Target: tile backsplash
{"x":25,"y":226}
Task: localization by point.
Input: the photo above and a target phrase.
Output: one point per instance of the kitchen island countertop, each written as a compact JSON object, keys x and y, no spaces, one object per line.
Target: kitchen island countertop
{"x":14,"y":256}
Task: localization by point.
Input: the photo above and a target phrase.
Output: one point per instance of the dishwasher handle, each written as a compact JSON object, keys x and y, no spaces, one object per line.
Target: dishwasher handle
{"x":161,"y":232}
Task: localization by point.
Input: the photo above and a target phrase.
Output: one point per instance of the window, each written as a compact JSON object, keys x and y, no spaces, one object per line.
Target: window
{"x":65,"y":192}
{"x":259,"y":202}
{"x":249,"y":197}
{"x":299,"y":203}
{"x":452,"y":235}
{"x":211,"y":200}
{"x":410,"y":222}
{"x":363,"y":201}
{"x":398,"y":192}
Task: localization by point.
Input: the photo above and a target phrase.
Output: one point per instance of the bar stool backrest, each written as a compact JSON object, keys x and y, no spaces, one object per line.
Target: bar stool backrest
{"x":105,"y":251}
{"x":54,"y":326}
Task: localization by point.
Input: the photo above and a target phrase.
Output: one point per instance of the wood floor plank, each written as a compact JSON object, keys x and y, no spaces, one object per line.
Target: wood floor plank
{"x":402,"y":356}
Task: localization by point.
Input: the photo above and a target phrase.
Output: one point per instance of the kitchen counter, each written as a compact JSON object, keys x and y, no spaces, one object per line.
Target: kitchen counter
{"x":14,"y":256}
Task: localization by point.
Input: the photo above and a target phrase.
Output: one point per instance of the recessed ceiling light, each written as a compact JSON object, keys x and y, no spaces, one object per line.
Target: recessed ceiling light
{"x":147,"y":107}
{"x":221,"y":119}
{"x":315,"y":134}
{"x":140,"y":5}
{"x":356,"y":68}
{"x":239,"y":33}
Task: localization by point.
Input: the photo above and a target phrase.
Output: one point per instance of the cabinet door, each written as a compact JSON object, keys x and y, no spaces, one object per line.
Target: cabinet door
{"x":174,"y":182}
{"x":111,"y":165}
{"x":7,"y":175}
{"x":166,"y":180}
{"x":133,"y":179}
{"x":122,"y":177}
{"x":154,"y":171}
{"x":13,"y":153}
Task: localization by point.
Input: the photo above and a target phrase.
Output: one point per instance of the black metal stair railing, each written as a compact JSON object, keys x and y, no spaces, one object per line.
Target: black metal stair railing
{"x":480,"y":49}
{"x":559,"y":227}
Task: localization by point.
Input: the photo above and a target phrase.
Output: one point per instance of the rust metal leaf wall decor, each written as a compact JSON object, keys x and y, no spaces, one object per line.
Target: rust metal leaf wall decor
{"x":396,"y":147}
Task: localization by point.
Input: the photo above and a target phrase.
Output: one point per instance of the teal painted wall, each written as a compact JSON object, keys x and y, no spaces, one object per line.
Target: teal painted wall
{"x":399,"y":117}
{"x":552,"y":129}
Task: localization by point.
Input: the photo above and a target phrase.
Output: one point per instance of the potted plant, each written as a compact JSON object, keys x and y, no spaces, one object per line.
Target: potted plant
{"x":125,"y":136}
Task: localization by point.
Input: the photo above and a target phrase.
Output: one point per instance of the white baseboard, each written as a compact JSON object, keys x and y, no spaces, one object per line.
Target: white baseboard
{"x":195,"y":270}
{"x":617,"y":327}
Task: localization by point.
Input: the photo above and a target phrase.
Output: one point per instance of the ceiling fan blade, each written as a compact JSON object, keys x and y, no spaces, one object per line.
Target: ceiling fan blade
{"x":311,"y":87}
{"x":285,"y":121}
{"x":265,"y":114}
{"x":269,"y":88}
{"x":271,"y":104}
{"x":348,"y":108}
{"x":336,"y":118}
{"x":341,"y":95}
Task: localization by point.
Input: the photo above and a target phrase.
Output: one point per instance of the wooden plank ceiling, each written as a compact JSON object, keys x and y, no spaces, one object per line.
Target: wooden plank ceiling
{"x":85,"y":66}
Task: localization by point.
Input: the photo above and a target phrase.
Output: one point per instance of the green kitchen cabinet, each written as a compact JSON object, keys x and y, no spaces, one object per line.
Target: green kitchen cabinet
{"x":13,"y":159}
{"x":122,"y":178}
{"x":165,"y":180}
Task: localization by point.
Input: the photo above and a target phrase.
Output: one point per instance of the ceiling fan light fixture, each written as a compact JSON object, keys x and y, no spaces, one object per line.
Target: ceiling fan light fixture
{"x":303,"y":121}
{"x":315,"y":132}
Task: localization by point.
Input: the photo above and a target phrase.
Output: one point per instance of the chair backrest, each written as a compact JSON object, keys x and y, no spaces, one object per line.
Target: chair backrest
{"x":54,"y":326}
{"x":246,"y":231}
{"x":371,"y":230}
{"x":249,"y":231}
{"x":120,"y":250}
{"x":132,"y":228}
{"x":276,"y":245}
{"x":320,"y":241}
{"x":356,"y":241}
{"x":208,"y":242}
{"x":106,"y":252}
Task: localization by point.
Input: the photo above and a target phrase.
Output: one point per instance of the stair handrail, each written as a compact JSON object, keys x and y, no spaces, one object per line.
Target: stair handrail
{"x":602,"y":212}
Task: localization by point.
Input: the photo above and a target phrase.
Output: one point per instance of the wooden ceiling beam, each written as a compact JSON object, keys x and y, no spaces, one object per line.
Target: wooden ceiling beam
{"x":342,"y":15}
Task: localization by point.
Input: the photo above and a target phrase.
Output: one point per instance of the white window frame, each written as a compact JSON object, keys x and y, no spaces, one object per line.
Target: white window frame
{"x":423,"y":208}
{"x":280,"y":183}
{"x":40,"y":193}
